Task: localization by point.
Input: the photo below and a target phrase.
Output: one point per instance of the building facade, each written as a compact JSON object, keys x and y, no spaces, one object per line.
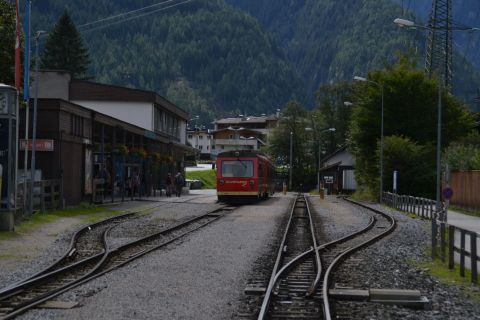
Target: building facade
{"x":243,"y":133}
{"x":95,"y":140}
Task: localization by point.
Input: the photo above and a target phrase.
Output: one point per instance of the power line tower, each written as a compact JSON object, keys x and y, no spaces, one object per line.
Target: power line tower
{"x":439,"y":42}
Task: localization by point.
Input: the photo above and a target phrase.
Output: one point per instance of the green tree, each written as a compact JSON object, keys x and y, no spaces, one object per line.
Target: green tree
{"x":295,"y":118}
{"x":464,"y":154}
{"x":7,"y":42}
{"x":65,"y":50}
{"x":413,"y":162}
{"x":410,"y":110}
{"x":336,"y":114}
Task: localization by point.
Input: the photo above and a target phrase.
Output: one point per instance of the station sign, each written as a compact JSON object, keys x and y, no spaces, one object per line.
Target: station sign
{"x":40,"y":144}
{"x":328,"y":179}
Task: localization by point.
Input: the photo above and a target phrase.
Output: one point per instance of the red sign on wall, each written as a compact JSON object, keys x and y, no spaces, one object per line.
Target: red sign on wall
{"x":40,"y":144}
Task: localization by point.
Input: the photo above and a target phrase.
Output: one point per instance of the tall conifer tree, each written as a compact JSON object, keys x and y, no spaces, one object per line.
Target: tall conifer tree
{"x":7,"y":41}
{"x":65,"y":50}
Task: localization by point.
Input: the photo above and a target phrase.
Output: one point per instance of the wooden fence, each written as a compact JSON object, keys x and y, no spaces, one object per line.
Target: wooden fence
{"x":465,"y":186}
{"x":47,"y":194}
{"x":462,"y":244}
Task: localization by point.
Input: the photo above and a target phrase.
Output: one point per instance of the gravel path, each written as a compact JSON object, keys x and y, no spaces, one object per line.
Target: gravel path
{"x":390,"y":263}
{"x":201,"y":277}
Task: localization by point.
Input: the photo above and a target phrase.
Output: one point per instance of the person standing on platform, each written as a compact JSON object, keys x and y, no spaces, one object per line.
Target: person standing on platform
{"x":168,"y":185}
{"x":179,"y":183}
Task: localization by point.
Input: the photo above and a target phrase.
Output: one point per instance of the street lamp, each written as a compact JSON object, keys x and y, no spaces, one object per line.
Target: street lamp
{"x":38,"y":34}
{"x":320,"y":152}
{"x":291,"y":154}
{"x":404,"y":23}
{"x":357,"y":78}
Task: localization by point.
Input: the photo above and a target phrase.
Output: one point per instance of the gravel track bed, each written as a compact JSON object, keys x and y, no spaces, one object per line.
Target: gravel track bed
{"x":54,"y":251}
{"x":44,"y":260}
{"x":155,"y":221}
{"x":390,"y":263}
{"x":203,"y":276}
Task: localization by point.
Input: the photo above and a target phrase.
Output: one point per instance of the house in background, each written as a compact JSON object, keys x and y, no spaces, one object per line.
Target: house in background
{"x":242,"y":133}
{"x":201,"y":139}
{"x":337,"y":172}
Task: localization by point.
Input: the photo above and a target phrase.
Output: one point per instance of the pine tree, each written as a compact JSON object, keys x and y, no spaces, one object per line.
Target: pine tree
{"x":7,"y":42}
{"x":65,"y":50}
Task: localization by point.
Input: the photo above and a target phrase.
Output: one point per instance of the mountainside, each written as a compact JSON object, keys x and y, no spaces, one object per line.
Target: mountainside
{"x":329,"y":40}
{"x":209,"y":58}
{"x":465,"y":13}
{"x":250,"y":56}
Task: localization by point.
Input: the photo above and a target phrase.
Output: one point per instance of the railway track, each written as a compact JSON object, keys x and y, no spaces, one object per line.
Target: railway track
{"x":25,"y":295}
{"x":300,"y":281}
{"x":85,"y":243}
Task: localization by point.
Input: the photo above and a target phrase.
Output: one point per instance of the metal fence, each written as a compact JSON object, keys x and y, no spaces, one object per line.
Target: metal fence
{"x":462,"y":244}
{"x":422,"y":207}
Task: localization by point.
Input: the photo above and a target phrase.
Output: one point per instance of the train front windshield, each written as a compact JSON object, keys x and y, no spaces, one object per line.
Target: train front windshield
{"x":237,"y":168}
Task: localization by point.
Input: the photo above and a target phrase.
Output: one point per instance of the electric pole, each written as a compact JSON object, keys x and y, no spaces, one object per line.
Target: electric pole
{"x":439,"y":42}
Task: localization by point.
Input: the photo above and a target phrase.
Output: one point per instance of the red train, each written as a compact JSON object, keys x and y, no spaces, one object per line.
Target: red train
{"x":244,"y":176}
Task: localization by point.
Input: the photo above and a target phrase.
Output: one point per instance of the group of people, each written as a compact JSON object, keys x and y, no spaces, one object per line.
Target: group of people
{"x":174,"y":184}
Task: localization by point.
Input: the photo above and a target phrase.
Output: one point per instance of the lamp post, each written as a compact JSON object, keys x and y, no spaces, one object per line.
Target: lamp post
{"x":404,"y":23}
{"x":291,"y":155}
{"x":381,"y":131}
{"x":34,"y":129}
{"x":320,"y":151}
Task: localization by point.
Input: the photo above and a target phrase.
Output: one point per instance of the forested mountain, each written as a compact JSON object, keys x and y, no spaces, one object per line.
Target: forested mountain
{"x":251,"y":56}
{"x":330,"y":40}
{"x":209,"y":58}
{"x":465,"y":13}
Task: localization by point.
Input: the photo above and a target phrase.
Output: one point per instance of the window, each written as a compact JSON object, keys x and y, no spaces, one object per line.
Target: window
{"x":76,"y":125}
{"x":200,"y":147}
{"x":231,"y":136}
{"x":237,"y":168}
{"x":207,"y":147}
{"x":213,"y":147}
{"x":190,"y":136}
{"x":200,"y":137}
{"x":223,"y":147}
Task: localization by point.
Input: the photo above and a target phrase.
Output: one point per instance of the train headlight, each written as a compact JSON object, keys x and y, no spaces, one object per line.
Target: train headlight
{"x":221,"y":182}
{"x":252,"y":183}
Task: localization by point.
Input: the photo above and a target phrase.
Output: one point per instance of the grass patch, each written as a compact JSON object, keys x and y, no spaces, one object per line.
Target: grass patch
{"x":439,"y":270}
{"x":42,"y":218}
{"x":470,"y":212}
{"x":364,"y":195}
{"x":208,"y":177}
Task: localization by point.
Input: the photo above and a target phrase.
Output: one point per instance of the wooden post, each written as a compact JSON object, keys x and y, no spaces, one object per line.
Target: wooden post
{"x":42,"y":195}
{"x":112,"y":176}
{"x":473,"y":256}
{"x":443,"y":244}
{"x":451,"y":247}
{"x":462,"y":253}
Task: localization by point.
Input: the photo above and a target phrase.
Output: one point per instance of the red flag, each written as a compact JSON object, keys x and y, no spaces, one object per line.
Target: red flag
{"x":18,"y":66}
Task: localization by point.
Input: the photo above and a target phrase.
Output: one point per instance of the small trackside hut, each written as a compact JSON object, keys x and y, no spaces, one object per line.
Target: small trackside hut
{"x":244,"y":176}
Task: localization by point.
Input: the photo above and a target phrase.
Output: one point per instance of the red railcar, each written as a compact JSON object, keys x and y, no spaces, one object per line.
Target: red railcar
{"x":244,"y":175}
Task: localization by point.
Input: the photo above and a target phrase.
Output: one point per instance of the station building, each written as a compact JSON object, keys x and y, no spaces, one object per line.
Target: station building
{"x":88,"y":133}
{"x":338,"y":172}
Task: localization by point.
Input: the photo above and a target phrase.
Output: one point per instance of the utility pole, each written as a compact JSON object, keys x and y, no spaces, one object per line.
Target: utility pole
{"x":439,"y":42}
